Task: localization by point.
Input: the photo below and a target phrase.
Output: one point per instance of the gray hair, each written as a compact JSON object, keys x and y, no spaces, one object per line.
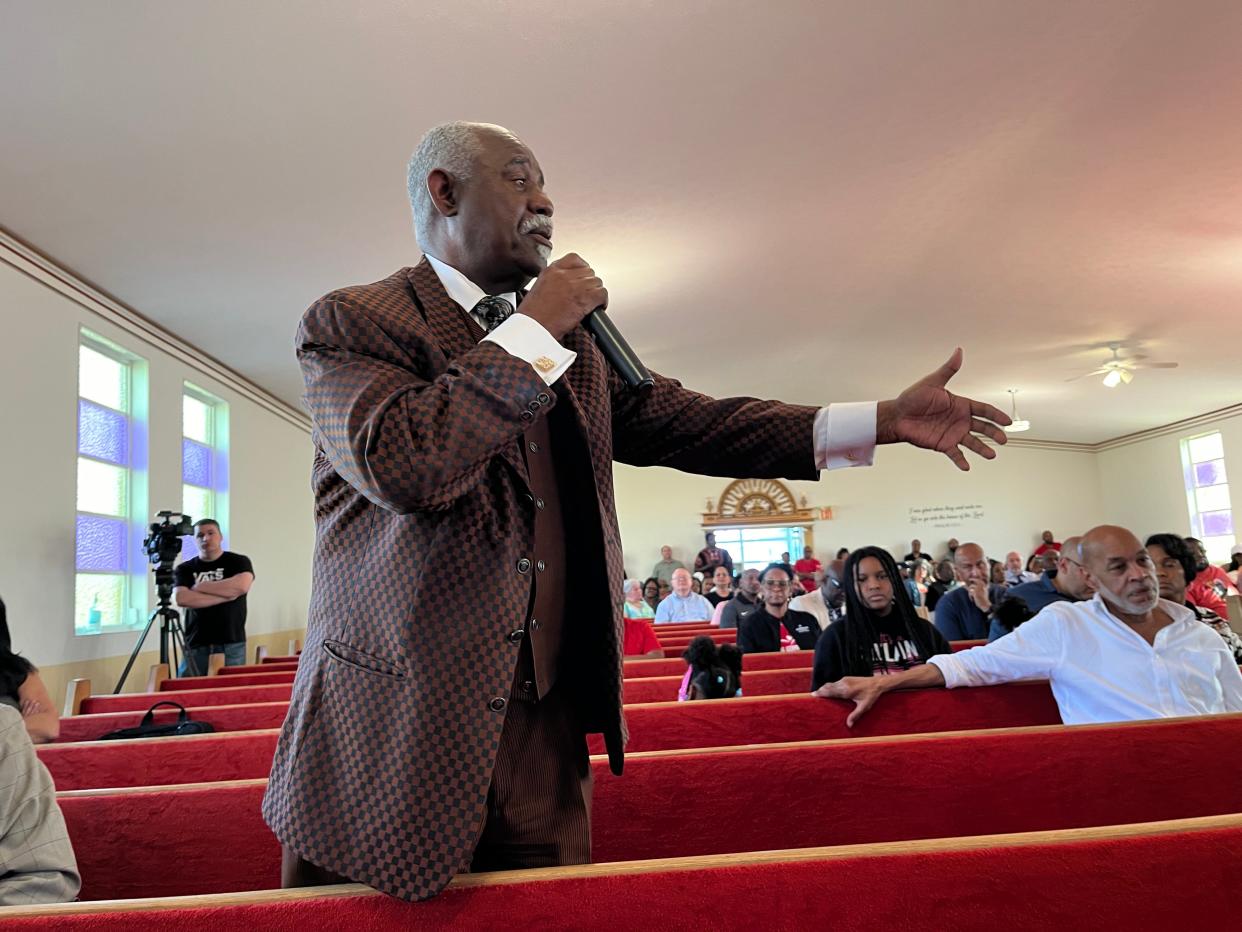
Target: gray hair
{"x":625,"y":586}
{"x":451,"y":147}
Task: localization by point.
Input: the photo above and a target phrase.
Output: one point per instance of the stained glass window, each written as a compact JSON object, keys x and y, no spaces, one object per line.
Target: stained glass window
{"x":204,"y":460}
{"x":105,"y":503}
{"x":1207,"y":494}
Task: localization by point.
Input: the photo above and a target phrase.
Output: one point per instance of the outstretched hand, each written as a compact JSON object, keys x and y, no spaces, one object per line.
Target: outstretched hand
{"x":863,"y":690}
{"x":928,"y":415}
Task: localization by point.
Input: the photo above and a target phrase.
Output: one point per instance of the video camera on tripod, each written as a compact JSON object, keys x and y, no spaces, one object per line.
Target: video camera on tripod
{"x":162,"y":546}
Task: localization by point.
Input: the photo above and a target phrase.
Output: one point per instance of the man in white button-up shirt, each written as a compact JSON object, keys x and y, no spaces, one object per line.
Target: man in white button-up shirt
{"x":1126,"y":654}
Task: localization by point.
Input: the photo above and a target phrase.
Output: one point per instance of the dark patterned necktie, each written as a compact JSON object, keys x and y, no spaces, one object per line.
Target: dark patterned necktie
{"x":493,"y":311}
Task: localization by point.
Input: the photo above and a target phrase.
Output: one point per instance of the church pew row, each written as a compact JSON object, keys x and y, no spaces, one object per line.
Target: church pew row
{"x":167,"y":841}
{"x":199,"y":692}
{"x":660,"y":726}
{"x":1039,"y":880}
{"x":634,"y":668}
{"x":754,"y":683}
{"x":248,"y":668}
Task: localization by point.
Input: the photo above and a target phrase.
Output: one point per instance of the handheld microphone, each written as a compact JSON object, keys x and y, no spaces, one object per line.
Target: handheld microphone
{"x":618,"y":353}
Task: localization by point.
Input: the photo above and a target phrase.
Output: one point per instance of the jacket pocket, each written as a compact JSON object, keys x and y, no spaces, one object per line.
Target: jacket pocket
{"x":342,"y":653}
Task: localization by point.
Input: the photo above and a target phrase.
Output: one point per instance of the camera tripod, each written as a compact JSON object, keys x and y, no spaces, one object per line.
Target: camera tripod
{"x":171,"y":637}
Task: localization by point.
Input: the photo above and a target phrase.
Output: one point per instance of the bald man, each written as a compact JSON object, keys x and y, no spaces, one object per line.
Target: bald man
{"x":1124,"y":655}
{"x":1070,"y":583}
{"x":963,"y":614}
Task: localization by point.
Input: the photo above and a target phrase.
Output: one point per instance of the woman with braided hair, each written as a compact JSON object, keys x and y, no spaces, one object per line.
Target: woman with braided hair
{"x":880,"y":633}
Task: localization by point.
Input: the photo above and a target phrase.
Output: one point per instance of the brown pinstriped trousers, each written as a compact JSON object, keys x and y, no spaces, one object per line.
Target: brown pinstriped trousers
{"x":538,"y":805}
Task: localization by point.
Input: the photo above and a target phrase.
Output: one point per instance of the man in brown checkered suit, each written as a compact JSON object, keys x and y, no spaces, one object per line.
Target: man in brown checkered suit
{"x":439,"y":716}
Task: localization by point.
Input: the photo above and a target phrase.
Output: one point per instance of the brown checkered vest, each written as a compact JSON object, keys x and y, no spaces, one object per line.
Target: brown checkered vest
{"x":423,"y":568}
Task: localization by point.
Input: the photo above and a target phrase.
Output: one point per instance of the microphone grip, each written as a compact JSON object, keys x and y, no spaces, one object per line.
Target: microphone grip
{"x":618,"y":353}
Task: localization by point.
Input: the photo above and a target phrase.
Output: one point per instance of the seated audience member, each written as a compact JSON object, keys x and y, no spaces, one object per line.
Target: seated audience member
{"x":1015,"y":575}
{"x":775,"y":626}
{"x":696,"y":584}
{"x":683,"y":603}
{"x":916,"y":583}
{"x":37,"y":864}
{"x":640,"y":640}
{"x":916,"y":552}
{"x":651,"y":593}
{"x":1175,"y":568}
{"x":1069,"y":583}
{"x":962,"y":615}
{"x":745,"y":600}
{"x":807,"y":568}
{"x":951,"y":548}
{"x":1099,"y":671}
{"x":711,"y":557}
{"x":722,"y":588}
{"x":827,"y":601}
{"x":663,"y":571}
{"x":1234,"y":565}
{"x":635,"y":606}
{"x":665,"y":589}
{"x":943,"y":581}
{"x":880,"y":633}
{"x":843,"y":554}
{"x":711,"y":672}
{"x":1048,"y":543}
{"x":996,"y":572}
{"x":22,"y":688}
{"x":1211,"y":584}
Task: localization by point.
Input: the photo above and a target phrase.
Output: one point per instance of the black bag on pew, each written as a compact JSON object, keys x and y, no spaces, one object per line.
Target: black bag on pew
{"x":148,"y":729}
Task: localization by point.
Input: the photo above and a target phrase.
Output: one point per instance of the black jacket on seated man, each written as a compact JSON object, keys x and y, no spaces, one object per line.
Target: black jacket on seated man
{"x":760,"y":633}
{"x":736,"y":609}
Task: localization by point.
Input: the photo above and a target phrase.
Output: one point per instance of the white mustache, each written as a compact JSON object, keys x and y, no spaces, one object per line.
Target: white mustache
{"x":537,"y":223}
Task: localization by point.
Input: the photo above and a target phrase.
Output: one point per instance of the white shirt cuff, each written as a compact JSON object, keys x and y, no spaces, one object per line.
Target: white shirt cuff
{"x":526,"y":338}
{"x":845,"y":435}
{"x":950,"y":669}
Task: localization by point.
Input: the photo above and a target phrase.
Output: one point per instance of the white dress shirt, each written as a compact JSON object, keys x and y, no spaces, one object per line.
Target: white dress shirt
{"x":843,"y":434}
{"x":1102,"y":670}
{"x":813,"y":604}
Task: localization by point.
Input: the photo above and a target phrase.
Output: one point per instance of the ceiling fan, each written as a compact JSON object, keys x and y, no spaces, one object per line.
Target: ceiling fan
{"x":1120,"y":370}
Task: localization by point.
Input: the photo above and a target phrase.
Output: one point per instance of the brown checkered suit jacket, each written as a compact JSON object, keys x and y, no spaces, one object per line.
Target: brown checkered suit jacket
{"x":422,"y":515}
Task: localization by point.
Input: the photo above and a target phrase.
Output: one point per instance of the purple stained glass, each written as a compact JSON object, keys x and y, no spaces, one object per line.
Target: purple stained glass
{"x":1217,"y":524}
{"x":1212,"y":473}
{"x":100,"y":544}
{"x":195,"y":463}
{"x":102,"y":433}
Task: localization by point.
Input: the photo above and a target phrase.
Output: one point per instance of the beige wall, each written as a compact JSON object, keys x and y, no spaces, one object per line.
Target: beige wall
{"x":270,"y":500}
{"x":1010,"y":499}
{"x":1143,"y":486}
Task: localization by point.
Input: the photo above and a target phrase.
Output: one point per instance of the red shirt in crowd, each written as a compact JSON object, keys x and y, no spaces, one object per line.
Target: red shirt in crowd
{"x":806,"y":569}
{"x":1203,"y":593}
{"x":639,"y":638}
{"x":1044,"y":548}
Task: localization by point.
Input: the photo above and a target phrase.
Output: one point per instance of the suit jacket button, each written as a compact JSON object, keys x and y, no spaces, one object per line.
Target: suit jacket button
{"x":535,"y":406}
{"x":543,"y":398}
{"x":498,"y":704}
{"x":539,"y":503}
{"x":523,"y":566}
{"x":534,"y":624}
{"x":528,"y":685}
{"x":515,"y":636}
{"x":526,"y":416}
{"x":541,"y":566}
{"x":534,"y":447}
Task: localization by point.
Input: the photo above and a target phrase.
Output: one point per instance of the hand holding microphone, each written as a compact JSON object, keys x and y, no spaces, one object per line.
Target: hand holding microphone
{"x":568,"y":292}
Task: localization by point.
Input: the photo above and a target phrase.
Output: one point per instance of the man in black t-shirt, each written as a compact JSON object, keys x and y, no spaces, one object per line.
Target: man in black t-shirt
{"x":212,"y":589}
{"x":760,"y":631}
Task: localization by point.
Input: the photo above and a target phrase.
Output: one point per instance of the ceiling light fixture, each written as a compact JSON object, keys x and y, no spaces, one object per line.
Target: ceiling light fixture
{"x":1018,"y":425}
{"x":1112,"y":378}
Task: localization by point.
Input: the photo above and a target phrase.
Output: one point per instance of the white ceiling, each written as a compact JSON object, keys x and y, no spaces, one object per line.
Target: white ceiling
{"x":807,"y":200}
